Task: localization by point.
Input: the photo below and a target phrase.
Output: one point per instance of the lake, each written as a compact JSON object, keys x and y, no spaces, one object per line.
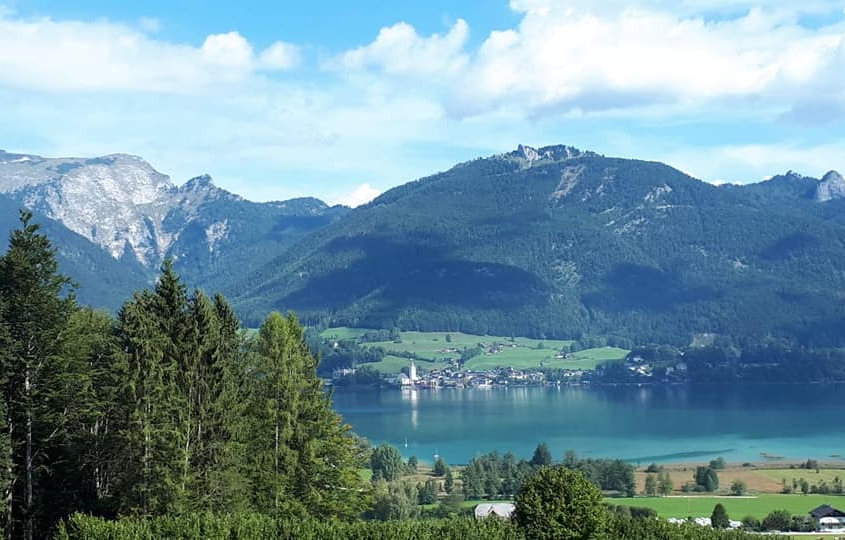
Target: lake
{"x":693,"y":423}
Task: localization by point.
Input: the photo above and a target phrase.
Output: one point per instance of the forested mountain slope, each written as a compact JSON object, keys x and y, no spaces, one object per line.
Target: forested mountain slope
{"x":562,"y":243}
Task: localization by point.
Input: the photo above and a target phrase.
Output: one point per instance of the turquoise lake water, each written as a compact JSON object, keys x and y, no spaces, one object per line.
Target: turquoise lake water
{"x":638,"y":424}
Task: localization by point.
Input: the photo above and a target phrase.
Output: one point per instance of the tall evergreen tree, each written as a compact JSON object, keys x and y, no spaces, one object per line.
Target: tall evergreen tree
{"x":5,"y":436}
{"x":151,"y":327}
{"x":39,"y":302}
{"x":184,"y":378}
{"x":301,"y":457}
{"x":92,"y":350}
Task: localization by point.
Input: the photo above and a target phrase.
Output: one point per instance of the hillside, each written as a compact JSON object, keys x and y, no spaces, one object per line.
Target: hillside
{"x":559,"y":243}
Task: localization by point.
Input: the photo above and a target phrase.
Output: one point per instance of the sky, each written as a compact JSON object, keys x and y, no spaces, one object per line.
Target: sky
{"x":343,"y":100}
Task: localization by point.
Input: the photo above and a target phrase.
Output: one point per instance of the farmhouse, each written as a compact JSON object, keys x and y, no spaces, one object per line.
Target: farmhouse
{"x":500,"y":510}
{"x":829,"y":518}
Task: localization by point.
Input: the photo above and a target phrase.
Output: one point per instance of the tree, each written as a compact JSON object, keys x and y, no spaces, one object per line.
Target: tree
{"x":300,"y":458}
{"x":650,"y":485}
{"x":38,"y":302}
{"x":559,"y":503}
{"x":413,"y":463}
{"x":778,"y":520}
{"x":706,"y":478}
{"x":449,"y":483}
{"x":440,"y":467}
{"x":738,"y":487}
{"x":6,"y":457}
{"x":393,"y":500}
{"x":751,"y":523}
{"x":664,"y":484}
{"x":427,"y":493}
{"x":718,"y":463}
{"x":719,"y":518}
{"x":386,"y":463}
{"x":542,"y":456}
{"x":151,"y":329}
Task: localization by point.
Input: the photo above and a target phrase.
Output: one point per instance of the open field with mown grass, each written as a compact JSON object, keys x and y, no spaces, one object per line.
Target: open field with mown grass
{"x":344,"y":332}
{"x":758,"y":506}
{"x":518,"y":352}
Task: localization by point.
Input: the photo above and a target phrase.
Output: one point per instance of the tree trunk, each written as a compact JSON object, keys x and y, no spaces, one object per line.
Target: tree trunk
{"x":10,"y":487}
{"x":29,"y":523}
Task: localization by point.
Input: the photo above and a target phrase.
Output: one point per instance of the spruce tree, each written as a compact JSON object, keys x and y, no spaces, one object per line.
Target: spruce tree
{"x":150,"y":328}
{"x":5,"y":441}
{"x":38,"y":302}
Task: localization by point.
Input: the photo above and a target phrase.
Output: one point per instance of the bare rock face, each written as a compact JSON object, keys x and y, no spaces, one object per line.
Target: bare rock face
{"x":832,"y":186}
{"x":118,"y":202}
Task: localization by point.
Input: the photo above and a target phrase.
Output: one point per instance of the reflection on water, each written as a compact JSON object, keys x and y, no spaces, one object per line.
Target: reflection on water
{"x":669,"y":423}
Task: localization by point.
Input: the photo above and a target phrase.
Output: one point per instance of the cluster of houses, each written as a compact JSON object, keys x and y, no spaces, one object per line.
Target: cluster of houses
{"x":453,"y":377}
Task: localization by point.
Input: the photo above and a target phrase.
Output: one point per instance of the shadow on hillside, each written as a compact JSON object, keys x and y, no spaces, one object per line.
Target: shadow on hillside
{"x":413,"y":273}
{"x":630,"y":286}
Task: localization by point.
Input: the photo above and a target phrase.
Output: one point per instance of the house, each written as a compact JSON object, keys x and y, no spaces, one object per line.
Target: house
{"x":829,"y":518}
{"x":500,"y":510}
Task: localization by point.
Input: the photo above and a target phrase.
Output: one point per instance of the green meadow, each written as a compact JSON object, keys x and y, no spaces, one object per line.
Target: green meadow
{"x":758,"y":506}
{"x":432,"y":349}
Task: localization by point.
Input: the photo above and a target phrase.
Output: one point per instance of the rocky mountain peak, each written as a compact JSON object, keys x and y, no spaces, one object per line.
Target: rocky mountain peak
{"x":832,"y":186}
{"x":113,"y":201}
{"x":203,"y":181}
{"x":527,"y":156}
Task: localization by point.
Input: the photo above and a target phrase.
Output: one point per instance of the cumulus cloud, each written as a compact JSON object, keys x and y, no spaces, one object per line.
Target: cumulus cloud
{"x":46,"y":54}
{"x":562,"y":57}
{"x":280,"y":55}
{"x":399,"y":49}
{"x":580,"y":56}
{"x":360,"y":195}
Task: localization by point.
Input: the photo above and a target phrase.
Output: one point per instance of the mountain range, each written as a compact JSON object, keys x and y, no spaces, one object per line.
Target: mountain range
{"x":550,"y":241}
{"x":119,"y":209}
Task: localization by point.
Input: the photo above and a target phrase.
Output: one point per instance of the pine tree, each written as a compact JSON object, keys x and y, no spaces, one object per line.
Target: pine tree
{"x":38,"y":303}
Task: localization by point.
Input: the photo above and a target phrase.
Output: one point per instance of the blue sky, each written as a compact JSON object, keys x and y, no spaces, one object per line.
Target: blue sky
{"x":342,"y":100}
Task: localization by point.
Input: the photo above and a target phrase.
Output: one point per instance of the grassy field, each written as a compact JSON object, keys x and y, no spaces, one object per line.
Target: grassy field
{"x":518,"y":352}
{"x":344,"y":332}
{"x":758,"y":506}
{"x":810,"y":475}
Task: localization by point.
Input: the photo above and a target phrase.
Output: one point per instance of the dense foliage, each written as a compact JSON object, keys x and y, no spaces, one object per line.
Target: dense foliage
{"x":560,"y":503}
{"x":497,"y":476}
{"x":260,"y":527}
{"x":164,"y":411}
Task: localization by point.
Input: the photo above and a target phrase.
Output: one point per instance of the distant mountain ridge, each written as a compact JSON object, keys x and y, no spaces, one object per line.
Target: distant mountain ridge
{"x":559,"y":242}
{"x":122,"y":205}
{"x":551,"y":241}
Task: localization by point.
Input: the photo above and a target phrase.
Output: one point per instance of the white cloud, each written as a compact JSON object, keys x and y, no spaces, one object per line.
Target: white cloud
{"x":46,"y":54}
{"x":399,"y":50}
{"x":360,"y":195}
{"x":228,"y":50}
{"x":564,"y":58}
{"x":280,"y":55}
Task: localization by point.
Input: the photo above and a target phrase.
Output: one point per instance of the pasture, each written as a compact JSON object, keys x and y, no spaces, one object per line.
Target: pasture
{"x":758,"y":506}
{"x":432,"y":349}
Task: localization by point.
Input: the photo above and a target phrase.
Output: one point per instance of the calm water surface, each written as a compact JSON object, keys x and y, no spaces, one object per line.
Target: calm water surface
{"x":638,"y":424}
